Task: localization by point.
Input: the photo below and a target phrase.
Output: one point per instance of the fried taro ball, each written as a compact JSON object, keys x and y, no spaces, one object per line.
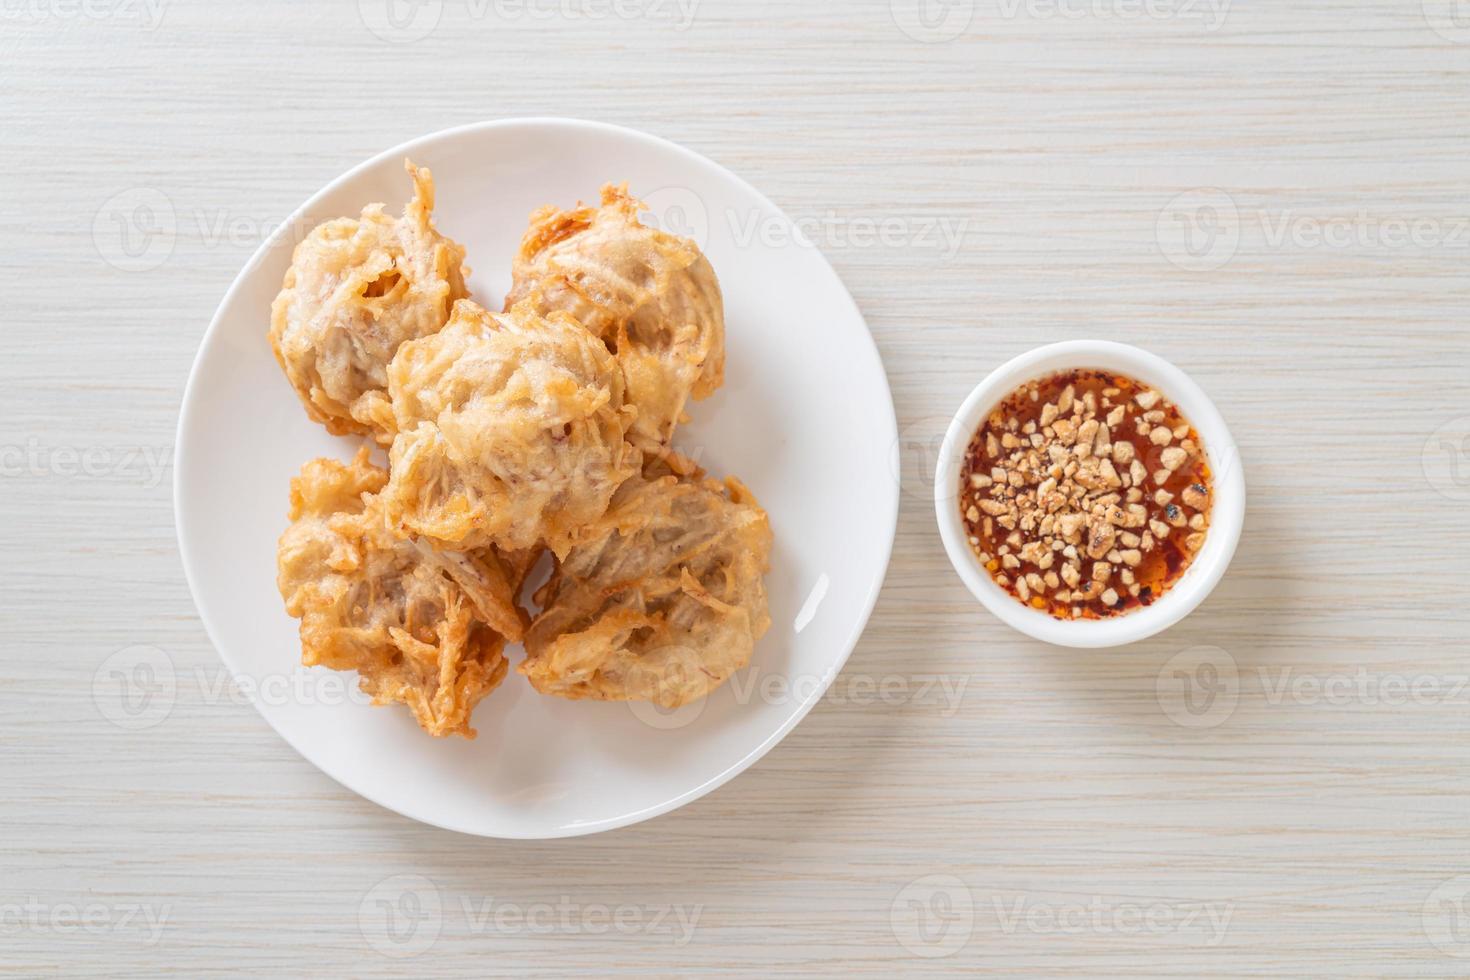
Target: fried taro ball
{"x":651,"y":296}
{"x":662,"y":603}
{"x":421,"y":627}
{"x":511,"y":431}
{"x":356,"y":290}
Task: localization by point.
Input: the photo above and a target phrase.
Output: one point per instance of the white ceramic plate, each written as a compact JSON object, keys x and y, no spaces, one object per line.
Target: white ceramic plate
{"x":805,"y":419}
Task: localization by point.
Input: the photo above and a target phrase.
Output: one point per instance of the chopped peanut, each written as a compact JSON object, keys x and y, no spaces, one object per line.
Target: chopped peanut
{"x":1071,"y":491}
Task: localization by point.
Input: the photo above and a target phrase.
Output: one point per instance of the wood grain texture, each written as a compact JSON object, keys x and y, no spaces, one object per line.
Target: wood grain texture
{"x":1312,"y":819}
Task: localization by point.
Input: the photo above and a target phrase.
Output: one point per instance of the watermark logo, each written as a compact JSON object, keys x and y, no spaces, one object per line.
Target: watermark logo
{"x":933,"y":21}
{"x":566,"y":917}
{"x":1210,"y":13}
{"x":1450,"y":19}
{"x":917,"y":458}
{"x":94,"y":919}
{"x":401,"y":916}
{"x":135,"y":229}
{"x":666,"y":668}
{"x":1363,"y":230}
{"x":1446,"y":459}
{"x":1286,"y":686}
{"x":1446,"y":917}
{"x":678,"y":211}
{"x":1202,"y":230}
{"x":1199,"y":230}
{"x":942,"y":235}
{"x":408,"y":21}
{"x":400,"y":21}
{"x":148,"y":13}
{"x":135,"y":688}
{"x":667,"y":719}
{"x":751,"y":686}
{"x":1103,"y":917}
{"x":143,"y":465}
{"x":1198,"y":687}
{"x":933,"y":916}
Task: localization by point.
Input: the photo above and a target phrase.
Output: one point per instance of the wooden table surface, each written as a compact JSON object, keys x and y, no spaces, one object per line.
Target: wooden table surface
{"x":1275,"y":196}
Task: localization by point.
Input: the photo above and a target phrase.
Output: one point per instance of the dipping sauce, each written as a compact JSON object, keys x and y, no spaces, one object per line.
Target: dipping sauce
{"x":1086,"y":494}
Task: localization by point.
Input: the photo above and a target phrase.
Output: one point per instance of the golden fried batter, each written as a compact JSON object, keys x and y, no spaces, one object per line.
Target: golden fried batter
{"x":511,"y":431}
{"x":662,"y":602}
{"x":355,"y":291}
{"x":652,"y":297}
{"x":421,"y":627}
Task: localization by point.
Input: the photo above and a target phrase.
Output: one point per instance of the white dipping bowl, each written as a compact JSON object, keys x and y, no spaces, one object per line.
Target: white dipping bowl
{"x":1227,"y":512}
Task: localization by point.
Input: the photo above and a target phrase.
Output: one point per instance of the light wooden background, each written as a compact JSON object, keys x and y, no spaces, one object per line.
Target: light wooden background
{"x":1082,"y":820}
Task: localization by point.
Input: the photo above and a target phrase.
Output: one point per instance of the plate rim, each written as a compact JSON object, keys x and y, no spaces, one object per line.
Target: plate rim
{"x":849,"y":644}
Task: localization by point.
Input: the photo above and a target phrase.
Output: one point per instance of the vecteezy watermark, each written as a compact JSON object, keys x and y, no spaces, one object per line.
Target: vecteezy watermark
{"x":1210,"y":14}
{"x":682,"y":211}
{"x":147,"y":13}
{"x":301,"y":685}
{"x":944,"y":691}
{"x":752,"y":685}
{"x":1199,"y":230}
{"x":1362,"y":229}
{"x":565,"y":917}
{"x":668,"y":719}
{"x":1446,"y":459}
{"x":678,"y":211}
{"x":933,"y":21}
{"x":93,"y":919}
{"x":1450,"y":19}
{"x":1198,"y":687}
{"x":1202,"y":230}
{"x":134,"y":230}
{"x":400,"y":21}
{"x":137,"y":230}
{"x":934,"y":916}
{"x":1446,"y":917}
{"x":1286,"y":685}
{"x":407,"y":21}
{"x":137,"y":687}
{"x":943,"y":236}
{"x":916,"y":458}
{"x":403,"y":916}
{"x":144,"y":465}
{"x":1099,"y":916}
{"x":224,"y":228}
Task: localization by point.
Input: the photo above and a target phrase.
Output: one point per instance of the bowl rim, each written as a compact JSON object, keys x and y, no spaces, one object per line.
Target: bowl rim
{"x":1227,"y":509}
